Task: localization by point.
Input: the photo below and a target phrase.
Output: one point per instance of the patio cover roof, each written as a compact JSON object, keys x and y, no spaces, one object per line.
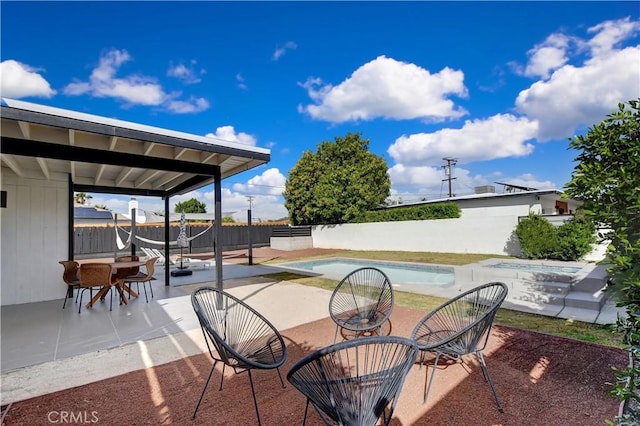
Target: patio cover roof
{"x":107,"y":155}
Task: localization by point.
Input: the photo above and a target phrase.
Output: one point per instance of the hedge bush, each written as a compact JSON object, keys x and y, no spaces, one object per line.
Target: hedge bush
{"x":539,"y":239}
{"x":421,"y":212}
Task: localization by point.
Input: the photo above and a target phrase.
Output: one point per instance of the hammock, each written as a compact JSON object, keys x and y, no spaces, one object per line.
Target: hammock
{"x":119,"y":243}
{"x":153,"y":242}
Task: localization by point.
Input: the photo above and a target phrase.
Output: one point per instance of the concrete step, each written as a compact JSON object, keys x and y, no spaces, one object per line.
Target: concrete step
{"x":585,"y":300}
{"x":594,"y":281}
{"x":552,"y":293}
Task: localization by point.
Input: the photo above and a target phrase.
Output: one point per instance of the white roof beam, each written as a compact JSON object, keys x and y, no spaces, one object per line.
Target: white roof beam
{"x":100,"y":172}
{"x":10,"y":161}
{"x":43,"y":166}
{"x":25,"y":129}
{"x":112,"y":143}
{"x":124,"y":174}
{"x":166,"y":179}
{"x":179,"y":152}
{"x":148,"y":147}
{"x":146,"y":177}
{"x":206,"y":156}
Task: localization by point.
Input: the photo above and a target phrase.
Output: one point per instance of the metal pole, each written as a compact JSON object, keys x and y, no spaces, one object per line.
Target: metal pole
{"x":133,"y":232}
{"x":250,"y":247}
{"x":249,"y":237}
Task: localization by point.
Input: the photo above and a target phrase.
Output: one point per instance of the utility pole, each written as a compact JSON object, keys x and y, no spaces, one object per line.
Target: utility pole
{"x":447,"y":171}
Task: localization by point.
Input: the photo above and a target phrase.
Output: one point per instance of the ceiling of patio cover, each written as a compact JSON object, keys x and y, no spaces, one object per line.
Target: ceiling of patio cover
{"x":107,"y":155}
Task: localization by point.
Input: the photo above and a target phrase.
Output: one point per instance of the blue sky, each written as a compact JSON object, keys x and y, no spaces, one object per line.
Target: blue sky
{"x":500,"y":86}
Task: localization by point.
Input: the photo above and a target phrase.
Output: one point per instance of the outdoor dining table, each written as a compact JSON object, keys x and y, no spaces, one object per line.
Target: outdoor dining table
{"x":121,"y":286}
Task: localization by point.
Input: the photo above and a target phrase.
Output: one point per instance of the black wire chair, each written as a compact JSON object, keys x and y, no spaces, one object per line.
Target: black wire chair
{"x":243,"y":339}
{"x":362,"y":303}
{"x":355,"y":382}
{"x":459,"y":327}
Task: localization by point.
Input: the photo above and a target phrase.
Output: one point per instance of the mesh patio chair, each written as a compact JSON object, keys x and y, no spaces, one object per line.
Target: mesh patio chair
{"x":459,"y":327}
{"x":355,"y":382}
{"x":243,"y":339}
{"x":70,"y":277}
{"x":362,"y":303}
{"x":143,"y":277}
{"x":96,"y":275}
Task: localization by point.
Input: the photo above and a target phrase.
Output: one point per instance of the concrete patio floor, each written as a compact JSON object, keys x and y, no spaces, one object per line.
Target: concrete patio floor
{"x":45,"y":348}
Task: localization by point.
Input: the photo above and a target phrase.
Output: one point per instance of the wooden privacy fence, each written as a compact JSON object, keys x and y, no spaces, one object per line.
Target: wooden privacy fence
{"x":90,"y":240}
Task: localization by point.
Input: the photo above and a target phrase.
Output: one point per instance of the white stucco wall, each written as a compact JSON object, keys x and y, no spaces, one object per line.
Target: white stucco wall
{"x":473,"y":233}
{"x":33,"y":238}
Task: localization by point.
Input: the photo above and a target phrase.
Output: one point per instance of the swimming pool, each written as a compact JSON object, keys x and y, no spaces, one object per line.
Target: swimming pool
{"x":526,"y":267}
{"x":398,"y":273}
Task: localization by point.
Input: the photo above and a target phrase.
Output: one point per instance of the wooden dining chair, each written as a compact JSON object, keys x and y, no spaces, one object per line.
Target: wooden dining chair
{"x":143,"y":277}
{"x":125,"y":272}
{"x":70,"y":277}
{"x":97,"y":276}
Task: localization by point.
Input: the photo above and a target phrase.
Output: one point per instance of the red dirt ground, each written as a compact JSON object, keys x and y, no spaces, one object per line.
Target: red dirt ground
{"x":542,"y":380}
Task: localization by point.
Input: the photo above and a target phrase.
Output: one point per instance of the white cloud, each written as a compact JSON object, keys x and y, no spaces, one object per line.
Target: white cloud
{"x":271,"y":182}
{"x":527,"y":179}
{"x":18,"y":80}
{"x":280,"y":51}
{"x":263,"y":207}
{"x":132,"y":89}
{"x":547,"y":57}
{"x":190,"y":106}
{"x":187,"y":74}
{"x":387,"y":88}
{"x":577,"y":95}
{"x":415,"y":183}
{"x":502,"y":135}
{"x":610,"y":33}
{"x":241,"y":84}
{"x":228,"y":133}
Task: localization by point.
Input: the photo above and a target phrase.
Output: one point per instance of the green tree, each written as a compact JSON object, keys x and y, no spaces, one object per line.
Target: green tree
{"x":190,"y":206}
{"x":607,"y":179}
{"x":81,"y":198}
{"x":337,"y":183}
{"x":102,"y":207}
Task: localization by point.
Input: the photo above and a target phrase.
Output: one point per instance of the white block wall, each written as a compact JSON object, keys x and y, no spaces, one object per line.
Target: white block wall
{"x":34,"y":237}
{"x":468,"y":234}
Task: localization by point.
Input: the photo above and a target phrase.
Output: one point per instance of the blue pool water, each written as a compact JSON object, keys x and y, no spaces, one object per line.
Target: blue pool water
{"x":398,"y":273}
{"x":537,"y":268}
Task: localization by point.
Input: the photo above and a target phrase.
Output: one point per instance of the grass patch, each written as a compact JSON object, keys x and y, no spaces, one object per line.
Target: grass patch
{"x":405,"y":256}
{"x":587,"y":332}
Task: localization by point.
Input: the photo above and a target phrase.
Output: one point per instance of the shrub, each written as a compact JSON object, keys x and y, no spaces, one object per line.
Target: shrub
{"x":421,"y":212}
{"x":538,"y":237}
{"x":575,"y":238}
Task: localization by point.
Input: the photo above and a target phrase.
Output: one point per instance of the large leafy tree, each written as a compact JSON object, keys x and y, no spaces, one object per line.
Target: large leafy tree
{"x":337,"y":183}
{"x":190,"y":206}
{"x":607,"y":179}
